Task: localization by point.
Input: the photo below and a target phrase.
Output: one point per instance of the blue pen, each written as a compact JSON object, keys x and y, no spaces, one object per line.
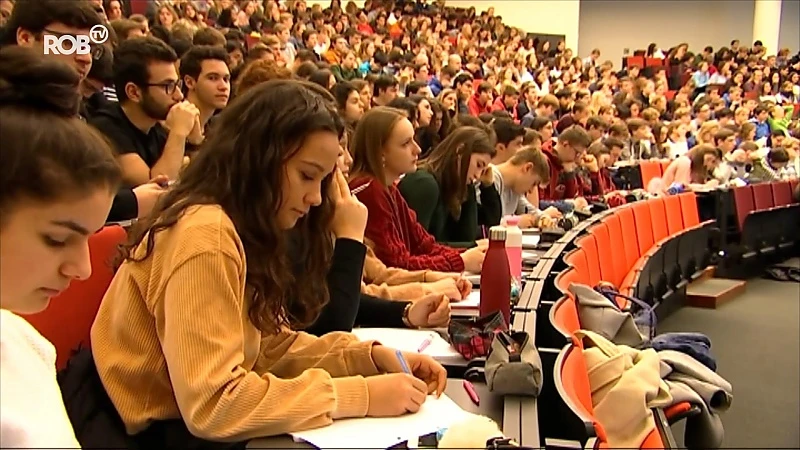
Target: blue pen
{"x":403,"y":362}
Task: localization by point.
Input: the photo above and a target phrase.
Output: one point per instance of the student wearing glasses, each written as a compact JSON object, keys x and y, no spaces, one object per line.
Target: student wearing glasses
{"x":151,"y":124}
{"x":32,"y":19}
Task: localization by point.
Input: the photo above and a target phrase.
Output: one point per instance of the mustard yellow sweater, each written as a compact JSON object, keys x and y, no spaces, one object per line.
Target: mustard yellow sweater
{"x":172,"y":339}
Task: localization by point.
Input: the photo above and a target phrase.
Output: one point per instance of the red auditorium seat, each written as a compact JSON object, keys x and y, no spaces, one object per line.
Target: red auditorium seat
{"x":605,"y":252}
{"x":658,"y":214}
{"x":617,"y":254}
{"x":577,"y":260}
{"x":644,"y":226}
{"x":650,"y":169}
{"x":782,"y":193}
{"x":588,"y":244}
{"x":674,"y":216}
{"x":762,"y":195}
{"x":630,"y":245}
{"x":691,"y":217}
{"x":572,"y":383}
{"x":744,"y":203}
{"x":67,"y":322}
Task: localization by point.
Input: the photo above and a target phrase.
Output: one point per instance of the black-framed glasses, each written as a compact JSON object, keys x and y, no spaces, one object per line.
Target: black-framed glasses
{"x":96,"y":50}
{"x":168,"y":86}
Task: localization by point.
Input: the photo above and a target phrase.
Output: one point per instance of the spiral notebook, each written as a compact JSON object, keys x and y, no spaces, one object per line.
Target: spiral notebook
{"x":384,"y":432}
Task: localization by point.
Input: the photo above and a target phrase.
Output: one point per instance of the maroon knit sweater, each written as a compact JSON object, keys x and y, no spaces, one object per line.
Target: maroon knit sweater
{"x":399,"y":239}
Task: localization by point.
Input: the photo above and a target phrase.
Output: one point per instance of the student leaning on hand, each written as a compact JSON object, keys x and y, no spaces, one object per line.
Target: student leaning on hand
{"x":196,"y":333}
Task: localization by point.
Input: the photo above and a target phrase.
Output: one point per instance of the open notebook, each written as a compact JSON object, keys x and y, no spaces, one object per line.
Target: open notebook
{"x":384,"y":432}
{"x":411,"y":341}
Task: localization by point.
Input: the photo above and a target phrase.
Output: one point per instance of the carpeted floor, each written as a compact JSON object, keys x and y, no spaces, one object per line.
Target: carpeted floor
{"x":756,"y":341}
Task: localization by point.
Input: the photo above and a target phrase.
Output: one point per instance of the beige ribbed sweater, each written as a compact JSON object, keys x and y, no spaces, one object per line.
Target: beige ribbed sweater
{"x":172,"y":339}
{"x":390,"y":282}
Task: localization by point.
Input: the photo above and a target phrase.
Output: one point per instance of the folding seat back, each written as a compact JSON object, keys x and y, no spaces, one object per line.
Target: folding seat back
{"x":664,"y":165}
{"x":572,"y":384}
{"x":674,"y":218}
{"x":658,"y":214}
{"x":589,"y":245}
{"x":691,"y":216}
{"x":762,"y":195}
{"x":617,"y":238}
{"x":650,"y":170}
{"x":782,"y":193}
{"x":793,"y":184}
{"x":577,"y":260}
{"x":605,"y":253}
{"x":644,"y":227}
{"x":564,"y":278}
{"x":630,"y":245}
{"x":67,"y":322}
{"x":744,"y":203}
{"x":564,"y":316}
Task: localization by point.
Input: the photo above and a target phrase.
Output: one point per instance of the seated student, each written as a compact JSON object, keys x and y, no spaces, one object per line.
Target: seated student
{"x":441,"y":190}
{"x":725,"y":141}
{"x":761,"y":114}
{"x":597,"y":127}
{"x":30,"y":20}
{"x":149,"y":92}
{"x":693,"y":170}
{"x":780,"y":117}
{"x":209,"y":273}
{"x":508,"y":139}
{"x":676,"y":144}
{"x":58,"y":181}
{"x":384,"y":150}
{"x":513,"y":179}
{"x":395,"y":283}
{"x":771,"y":167}
{"x":563,"y":161}
{"x":597,"y":162}
{"x":641,"y":135}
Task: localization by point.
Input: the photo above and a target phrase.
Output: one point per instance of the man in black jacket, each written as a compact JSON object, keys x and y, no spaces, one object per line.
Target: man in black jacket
{"x":28,"y":22}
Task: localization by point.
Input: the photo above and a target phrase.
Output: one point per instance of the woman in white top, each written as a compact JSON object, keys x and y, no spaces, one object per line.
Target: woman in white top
{"x":57,"y":183}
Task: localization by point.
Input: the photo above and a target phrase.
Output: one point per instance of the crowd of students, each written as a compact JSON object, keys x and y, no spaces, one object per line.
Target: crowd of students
{"x":297,"y":172}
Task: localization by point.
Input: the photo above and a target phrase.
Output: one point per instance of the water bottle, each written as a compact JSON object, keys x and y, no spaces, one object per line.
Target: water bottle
{"x":496,"y":277}
{"x":514,"y":247}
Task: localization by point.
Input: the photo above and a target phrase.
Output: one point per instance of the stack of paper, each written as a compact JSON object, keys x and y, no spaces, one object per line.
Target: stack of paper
{"x":530,"y":241}
{"x":384,"y":432}
{"x":473,"y":300}
{"x":474,"y":278}
{"x":411,"y":341}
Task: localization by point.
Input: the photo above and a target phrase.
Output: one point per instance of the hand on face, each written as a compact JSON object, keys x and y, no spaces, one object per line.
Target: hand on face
{"x":350,"y":215}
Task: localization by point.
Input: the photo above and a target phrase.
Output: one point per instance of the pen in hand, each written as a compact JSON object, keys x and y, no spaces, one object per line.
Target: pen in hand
{"x":403,"y":362}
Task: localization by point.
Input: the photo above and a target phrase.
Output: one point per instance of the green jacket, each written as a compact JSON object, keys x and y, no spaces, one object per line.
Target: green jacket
{"x":421,"y":191}
{"x":343,"y":74}
{"x":782,"y":124}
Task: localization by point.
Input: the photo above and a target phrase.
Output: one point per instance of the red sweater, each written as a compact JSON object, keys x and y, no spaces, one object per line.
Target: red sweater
{"x":475,"y":108}
{"x":563,"y":185}
{"x":399,"y":239}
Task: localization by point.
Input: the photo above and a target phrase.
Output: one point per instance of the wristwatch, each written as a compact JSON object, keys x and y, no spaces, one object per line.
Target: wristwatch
{"x":407,"y":322}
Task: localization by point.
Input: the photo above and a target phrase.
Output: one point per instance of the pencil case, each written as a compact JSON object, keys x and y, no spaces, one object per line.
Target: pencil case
{"x":513,"y":366}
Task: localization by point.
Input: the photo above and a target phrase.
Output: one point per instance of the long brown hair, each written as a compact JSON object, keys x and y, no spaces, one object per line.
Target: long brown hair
{"x":449,"y":163}
{"x":240,"y":167}
{"x":370,"y":137}
{"x":697,"y":154}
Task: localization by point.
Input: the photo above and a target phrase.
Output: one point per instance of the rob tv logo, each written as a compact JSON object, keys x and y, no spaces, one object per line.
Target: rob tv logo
{"x":67,"y":44}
